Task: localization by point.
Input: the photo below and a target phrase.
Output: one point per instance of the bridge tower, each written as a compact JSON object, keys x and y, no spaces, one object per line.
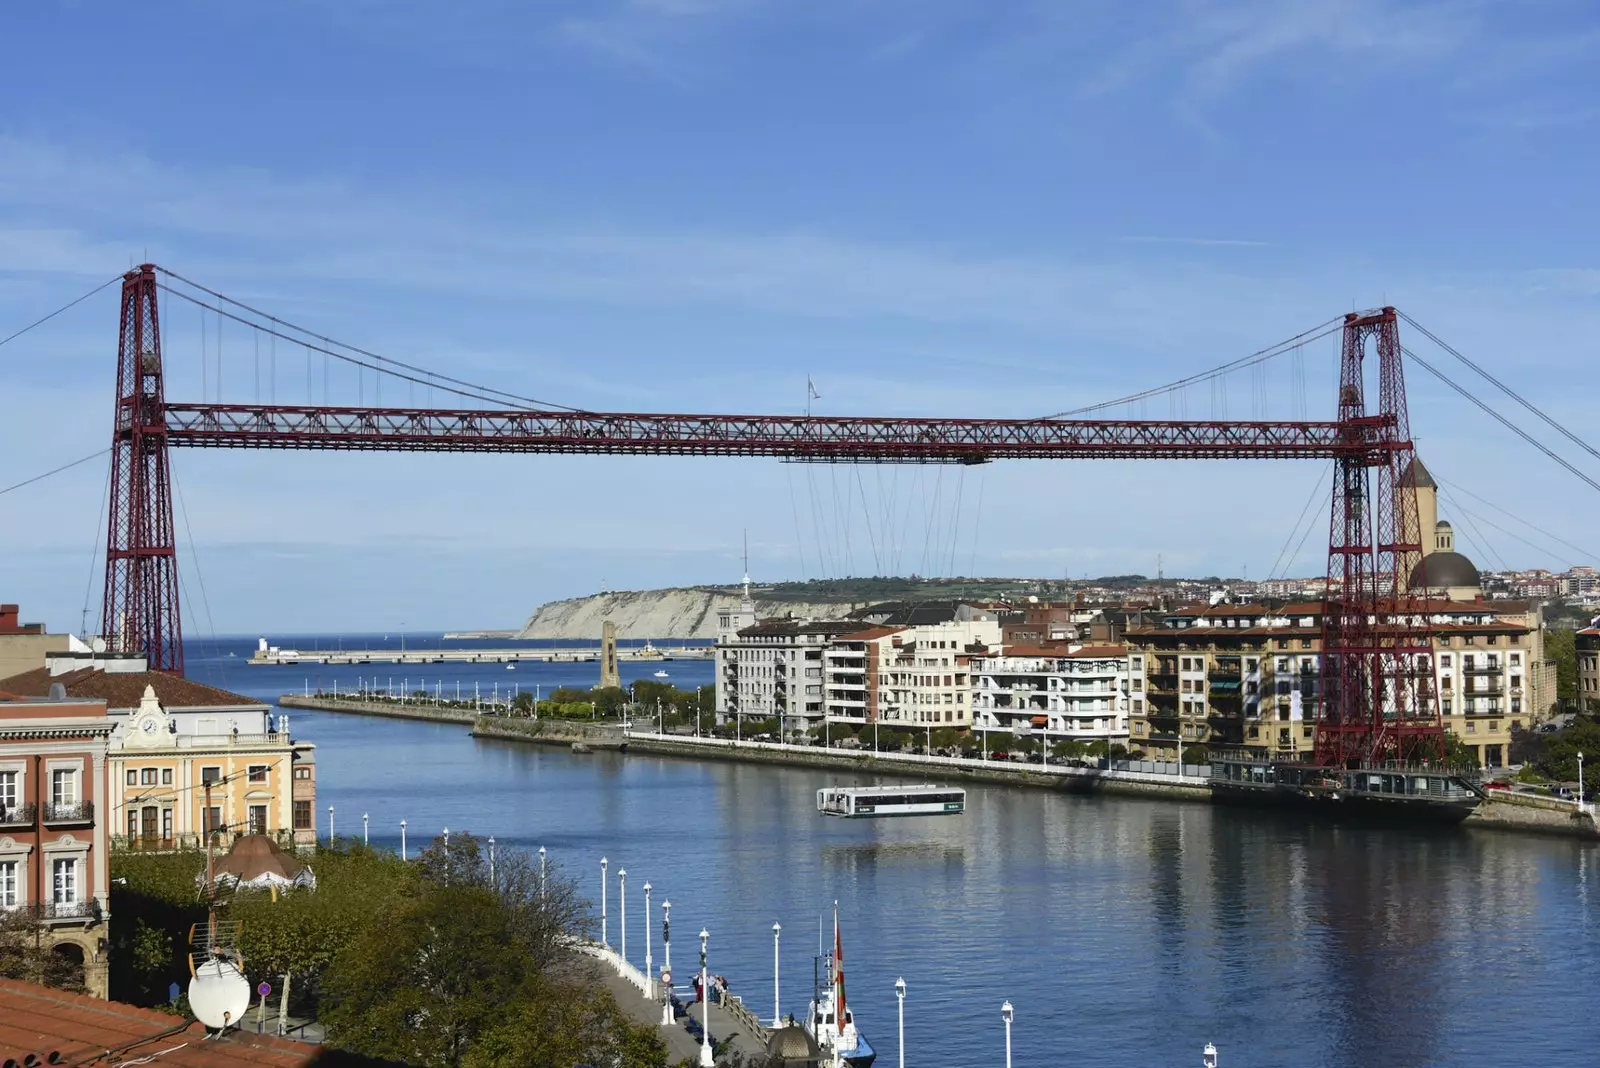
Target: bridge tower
{"x":140,"y":610}
{"x":1377,"y":699}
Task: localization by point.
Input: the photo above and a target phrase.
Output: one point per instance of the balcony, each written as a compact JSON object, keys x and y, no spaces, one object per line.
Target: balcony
{"x":1481,"y":669}
{"x":73,"y":812}
{"x":18,"y":816}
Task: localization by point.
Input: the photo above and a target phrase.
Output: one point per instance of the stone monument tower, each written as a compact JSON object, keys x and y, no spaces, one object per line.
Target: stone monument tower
{"x":610,"y":674}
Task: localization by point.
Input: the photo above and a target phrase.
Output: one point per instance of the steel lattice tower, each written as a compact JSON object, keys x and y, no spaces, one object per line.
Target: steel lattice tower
{"x":140,"y":613}
{"x":1377,"y":698}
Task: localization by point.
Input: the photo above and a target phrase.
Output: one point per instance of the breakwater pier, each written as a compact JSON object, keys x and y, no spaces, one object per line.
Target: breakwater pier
{"x":274,"y":656}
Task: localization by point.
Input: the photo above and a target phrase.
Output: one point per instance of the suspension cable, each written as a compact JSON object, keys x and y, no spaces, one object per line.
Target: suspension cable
{"x":65,"y":307}
{"x":1321,"y":330}
{"x":1497,"y":417}
{"x":53,"y":471}
{"x":1580,"y":550}
{"x":434,"y":376}
{"x":1507,"y":390}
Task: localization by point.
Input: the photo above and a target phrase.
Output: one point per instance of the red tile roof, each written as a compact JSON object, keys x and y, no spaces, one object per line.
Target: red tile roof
{"x":37,"y":1019}
{"x":124,"y":690}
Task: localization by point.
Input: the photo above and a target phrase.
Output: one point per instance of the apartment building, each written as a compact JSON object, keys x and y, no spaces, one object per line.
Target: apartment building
{"x":1588,"y":643}
{"x":186,"y":758}
{"x":23,"y":646}
{"x":910,"y":676}
{"x":53,"y":843}
{"x":773,"y":669}
{"x":1249,"y":675}
{"x":1074,"y":693}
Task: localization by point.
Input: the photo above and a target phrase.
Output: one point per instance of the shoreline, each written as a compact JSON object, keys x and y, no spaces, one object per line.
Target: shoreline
{"x":1512,"y":813}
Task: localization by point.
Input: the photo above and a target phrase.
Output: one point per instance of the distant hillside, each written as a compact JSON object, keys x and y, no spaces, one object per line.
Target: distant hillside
{"x":691,"y":612}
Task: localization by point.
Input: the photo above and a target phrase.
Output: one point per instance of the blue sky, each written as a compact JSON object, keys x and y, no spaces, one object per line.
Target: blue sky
{"x":930,"y":207}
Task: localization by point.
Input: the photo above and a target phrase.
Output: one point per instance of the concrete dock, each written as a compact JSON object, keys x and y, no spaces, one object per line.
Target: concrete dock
{"x":564,"y":655}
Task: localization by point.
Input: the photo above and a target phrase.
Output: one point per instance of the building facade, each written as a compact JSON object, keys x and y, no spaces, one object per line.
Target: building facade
{"x":186,"y":758}
{"x":1066,"y":693}
{"x":53,"y":841}
{"x":24,"y":646}
{"x":908,"y":676}
{"x":773,"y":669}
{"x":1588,"y":642}
{"x":1249,"y":675}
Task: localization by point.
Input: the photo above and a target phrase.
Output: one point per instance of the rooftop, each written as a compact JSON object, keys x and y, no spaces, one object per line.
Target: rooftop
{"x":123,"y":690}
{"x":40,"y":1020}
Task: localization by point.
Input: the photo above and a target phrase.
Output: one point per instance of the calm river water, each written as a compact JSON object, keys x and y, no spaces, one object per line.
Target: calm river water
{"x":1125,"y":933}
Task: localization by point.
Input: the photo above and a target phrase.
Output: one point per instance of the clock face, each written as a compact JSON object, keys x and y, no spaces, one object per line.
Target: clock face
{"x":149,"y":726}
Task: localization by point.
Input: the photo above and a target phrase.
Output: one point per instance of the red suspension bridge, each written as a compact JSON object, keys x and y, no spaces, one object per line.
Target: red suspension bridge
{"x":1376,"y":696}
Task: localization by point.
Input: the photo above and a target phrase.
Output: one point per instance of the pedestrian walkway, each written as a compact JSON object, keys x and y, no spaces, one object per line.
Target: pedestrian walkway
{"x":680,"y":1042}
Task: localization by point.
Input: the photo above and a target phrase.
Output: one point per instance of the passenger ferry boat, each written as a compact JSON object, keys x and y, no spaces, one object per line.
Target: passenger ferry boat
{"x":858,"y":801}
{"x":829,"y":1019}
{"x":1390,"y":792}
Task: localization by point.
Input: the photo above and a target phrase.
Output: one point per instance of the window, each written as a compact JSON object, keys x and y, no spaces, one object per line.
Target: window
{"x":1283,"y":643}
{"x":1516,"y":658}
{"x":166,"y":824}
{"x":1447,"y":706}
{"x":258,"y":819}
{"x":1493,"y":639}
{"x":1283,"y":663}
{"x":302,"y":773}
{"x":212,"y":819}
{"x":1493,"y":726}
{"x":1472,"y":728}
{"x":1444,"y":661}
{"x":65,"y":882}
{"x":1305,"y":643}
{"x":133,"y":822}
{"x":8,"y":790}
{"x":210,"y":774}
{"x":302,"y":815}
{"x":64,"y":786}
{"x":133,"y":777}
{"x":166,"y":776}
{"x":8,"y":884}
{"x":258,"y":773}
{"x":148,"y":777}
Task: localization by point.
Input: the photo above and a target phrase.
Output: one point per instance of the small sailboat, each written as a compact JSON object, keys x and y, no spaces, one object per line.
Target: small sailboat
{"x":829,"y":1019}
{"x":511,"y":667}
{"x":661,"y":674}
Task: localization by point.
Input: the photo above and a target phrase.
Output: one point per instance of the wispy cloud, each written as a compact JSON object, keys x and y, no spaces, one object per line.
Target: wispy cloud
{"x":1202,"y":242}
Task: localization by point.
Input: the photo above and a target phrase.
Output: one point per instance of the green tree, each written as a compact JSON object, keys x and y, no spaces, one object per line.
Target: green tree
{"x":1196,"y":754}
{"x":25,"y":954}
{"x":567,"y":1023}
{"x":1459,"y":754}
{"x":1560,"y":761}
{"x":1560,"y":644}
{"x":421,"y":986}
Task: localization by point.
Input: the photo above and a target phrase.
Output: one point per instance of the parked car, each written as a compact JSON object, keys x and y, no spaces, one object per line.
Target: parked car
{"x":1563,"y":792}
{"x":1000,"y":755}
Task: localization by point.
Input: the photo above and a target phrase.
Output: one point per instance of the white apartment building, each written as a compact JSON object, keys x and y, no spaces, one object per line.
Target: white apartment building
{"x":774,"y":670}
{"x":907,"y":676}
{"x":1080,"y":693}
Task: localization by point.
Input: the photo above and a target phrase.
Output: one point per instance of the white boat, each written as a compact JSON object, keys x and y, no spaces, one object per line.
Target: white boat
{"x":854,"y":802}
{"x":511,"y":667}
{"x":661,"y":674}
{"x":829,"y":1019}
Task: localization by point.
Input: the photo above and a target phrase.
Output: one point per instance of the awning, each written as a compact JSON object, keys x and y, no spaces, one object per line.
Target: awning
{"x":1041,"y":721}
{"x":1225,"y":686}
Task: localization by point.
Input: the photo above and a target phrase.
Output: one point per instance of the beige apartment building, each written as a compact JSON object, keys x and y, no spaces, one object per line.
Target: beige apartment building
{"x":1081,"y":693}
{"x":908,"y":676}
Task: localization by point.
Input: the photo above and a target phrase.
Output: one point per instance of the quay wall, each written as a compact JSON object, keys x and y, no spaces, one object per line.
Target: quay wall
{"x":1500,"y":812}
{"x":1535,"y":815}
{"x":386,"y":709}
{"x":903,"y":765}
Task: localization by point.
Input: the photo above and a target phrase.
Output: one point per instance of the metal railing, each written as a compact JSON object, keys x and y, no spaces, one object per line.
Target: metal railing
{"x":17,"y":815}
{"x":69,"y":812}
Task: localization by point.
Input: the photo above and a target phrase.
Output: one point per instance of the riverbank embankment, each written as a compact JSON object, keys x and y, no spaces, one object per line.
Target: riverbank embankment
{"x":902,"y":765}
{"x":385,"y":709}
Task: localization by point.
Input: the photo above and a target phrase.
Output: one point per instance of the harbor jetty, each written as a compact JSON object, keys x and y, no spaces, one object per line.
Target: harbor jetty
{"x":273,"y":656}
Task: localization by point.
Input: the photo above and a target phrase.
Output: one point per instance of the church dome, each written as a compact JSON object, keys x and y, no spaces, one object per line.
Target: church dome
{"x":1442,"y":571}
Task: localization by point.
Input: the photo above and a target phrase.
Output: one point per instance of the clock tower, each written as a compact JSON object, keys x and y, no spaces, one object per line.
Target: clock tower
{"x":150,"y":726}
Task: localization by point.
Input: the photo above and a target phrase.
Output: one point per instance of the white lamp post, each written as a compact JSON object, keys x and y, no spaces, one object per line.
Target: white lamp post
{"x":447,"y":856}
{"x":622,"y":896}
{"x":1006,"y":1014}
{"x":330,"y":825}
{"x":649,"y":965}
{"x":900,"y":997}
{"x":402,"y":839}
{"x":491,"y":861}
{"x":706,"y":1059}
{"x":364,"y":838}
{"x":603,"y":940}
{"x":666,"y":966}
{"x":777,"y":1017}
{"x":541,"y":872}
{"x":1580,"y":782}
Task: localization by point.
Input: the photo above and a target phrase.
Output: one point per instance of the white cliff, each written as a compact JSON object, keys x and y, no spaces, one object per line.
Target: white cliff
{"x":660,"y":614}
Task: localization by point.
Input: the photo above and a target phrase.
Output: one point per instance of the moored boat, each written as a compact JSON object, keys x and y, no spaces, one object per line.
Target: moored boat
{"x":1386,"y":793}
{"x":829,"y":1020}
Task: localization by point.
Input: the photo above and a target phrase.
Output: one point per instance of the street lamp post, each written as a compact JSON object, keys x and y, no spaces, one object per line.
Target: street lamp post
{"x":491,"y":861}
{"x":402,"y":839}
{"x":603,"y":940}
{"x":777,"y":1017}
{"x":706,"y":1059}
{"x":542,"y":868}
{"x":649,"y":965}
{"x":330,"y":825}
{"x":1006,"y":1014}
{"x":900,"y":998}
{"x":666,"y":965}
{"x":1580,"y":782}
{"x":364,"y":839}
{"x":447,"y":856}
{"x":622,"y":896}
